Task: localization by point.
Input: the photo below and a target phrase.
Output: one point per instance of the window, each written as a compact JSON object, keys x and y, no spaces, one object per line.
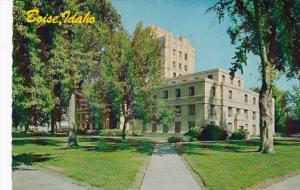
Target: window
{"x":191,"y":124}
{"x":239,"y":83}
{"x":174,"y":74}
{"x":192,"y":109}
{"x":166,"y":94}
{"x":177,"y":127}
{"x":179,"y":66}
{"x":210,"y":76}
{"x":185,"y":68}
{"x":223,"y":78}
{"x":230,"y":95}
{"x":230,"y":126}
{"x":154,"y":127}
{"x":174,"y":64}
{"x":246,"y":98}
{"x":238,"y":111}
{"x":231,"y":80}
{"x":254,"y":101}
{"x":246,"y":114}
{"x":186,"y":56}
{"x":177,"y":93}
{"x":212,"y":110}
{"x":254,"y":115}
{"x":213,"y":91}
{"x":191,"y":91}
{"x":174,"y":52}
{"x":178,"y":111}
{"x":180,"y":74}
{"x":254,"y":130}
{"x":229,"y":111}
{"x":180,"y":55}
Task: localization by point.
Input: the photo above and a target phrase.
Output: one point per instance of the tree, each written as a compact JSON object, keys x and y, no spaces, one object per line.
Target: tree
{"x":269,"y":29}
{"x":294,"y":97}
{"x":282,"y":110}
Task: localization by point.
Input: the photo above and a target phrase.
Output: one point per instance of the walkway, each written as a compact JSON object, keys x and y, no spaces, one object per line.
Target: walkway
{"x":31,"y":178}
{"x":166,"y":171}
{"x":292,"y":183}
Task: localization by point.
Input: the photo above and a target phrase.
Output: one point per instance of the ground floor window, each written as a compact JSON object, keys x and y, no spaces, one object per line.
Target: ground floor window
{"x":154,"y":127}
{"x":177,"y":127}
{"x":191,"y":124}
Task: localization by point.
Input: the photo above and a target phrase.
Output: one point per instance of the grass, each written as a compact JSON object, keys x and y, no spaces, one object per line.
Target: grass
{"x":237,"y":165}
{"x":107,"y":163}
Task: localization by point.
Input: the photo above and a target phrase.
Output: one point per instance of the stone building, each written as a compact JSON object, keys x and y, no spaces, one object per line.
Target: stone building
{"x":178,"y":56}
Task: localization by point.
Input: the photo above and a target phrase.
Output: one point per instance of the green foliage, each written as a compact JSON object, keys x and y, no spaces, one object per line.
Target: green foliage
{"x":294,"y":97}
{"x":212,"y":132}
{"x":175,"y":139}
{"x":111,"y":132}
{"x":193,"y":133}
{"x":238,"y":135}
{"x":281,"y":108}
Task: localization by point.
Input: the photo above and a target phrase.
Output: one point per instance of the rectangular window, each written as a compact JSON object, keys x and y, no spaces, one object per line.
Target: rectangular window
{"x":238,"y":111}
{"x":223,"y":78}
{"x":174,"y":52}
{"x":239,"y":83}
{"x":212,"y":110}
{"x":254,"y":115}
{"x":210,"y":76}
{"x":191,"y":91}
{"x":178,"y":111}
{"x":246,"y":114}
{"x":174,"y":64}
{"x":166,"y":94}
{"x":185,"y":68}
{"x":180,"y":55}
{"x":179,"y":66}
{"x":177,"y":127}
{"x":178,"y":93}
{"x":192,"y":109}
{"x":231,"y":80}
{"x":230,"y":95}
{"x":213,"y":91}
{"x":186,"y":56}
{"x":254,"y":101}
{"x":229,"y":111}
{"x":191,"y":124}
{"x":174,"y":74}
{"x":246,"y":98}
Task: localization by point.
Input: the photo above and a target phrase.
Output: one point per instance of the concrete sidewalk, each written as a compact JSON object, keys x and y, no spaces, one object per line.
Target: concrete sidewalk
{"x":166,"y":171}
{"x":30,"y":178}
{"x":292,"y":183}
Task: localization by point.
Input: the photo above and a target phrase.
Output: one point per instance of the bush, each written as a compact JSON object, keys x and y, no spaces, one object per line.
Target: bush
{"x":193,"y":133}
{"x":175,"y":139}
{"x":212,"y":132}
{"x":111,"y":132}
{"x":238,"y":135}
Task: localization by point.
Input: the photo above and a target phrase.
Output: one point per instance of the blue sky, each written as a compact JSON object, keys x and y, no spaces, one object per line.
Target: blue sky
{"x":188,"y":18}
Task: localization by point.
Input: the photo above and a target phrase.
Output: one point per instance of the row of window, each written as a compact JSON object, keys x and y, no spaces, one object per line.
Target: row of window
{"x":180,"y":55}
{"x":238,"y":111}
{"x":224,"y":79}
{"x":178,"y":92}
{"x":180,"y":66}
{"x":191,"y":109}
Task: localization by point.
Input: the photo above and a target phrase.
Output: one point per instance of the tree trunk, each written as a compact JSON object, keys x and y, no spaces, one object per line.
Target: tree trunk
{"x":124,"y":129}
{"x":52,"y":124}
{"x":72,"y":129}
{"x":265,"y":94}
{"x":26,"y":128}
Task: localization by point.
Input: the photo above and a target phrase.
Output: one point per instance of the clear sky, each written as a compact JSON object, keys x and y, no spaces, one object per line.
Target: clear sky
{"x":188,"y":18}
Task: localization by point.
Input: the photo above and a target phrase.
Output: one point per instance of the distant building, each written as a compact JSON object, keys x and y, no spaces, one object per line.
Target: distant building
{"x":178,"y":56}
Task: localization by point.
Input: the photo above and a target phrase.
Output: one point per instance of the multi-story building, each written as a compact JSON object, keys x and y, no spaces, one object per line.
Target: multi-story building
{"x":178,"y":56}
{"x":210,"y":97}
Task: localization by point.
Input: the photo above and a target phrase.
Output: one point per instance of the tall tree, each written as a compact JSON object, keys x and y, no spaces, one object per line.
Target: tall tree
{"x":269,"y":29}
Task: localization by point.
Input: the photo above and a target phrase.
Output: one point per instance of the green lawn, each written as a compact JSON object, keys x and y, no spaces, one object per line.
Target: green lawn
{"x":237,"y":165}
{"x":108,"y":163}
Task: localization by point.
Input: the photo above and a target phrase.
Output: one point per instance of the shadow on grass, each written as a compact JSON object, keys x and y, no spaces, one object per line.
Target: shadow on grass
{"x":116,"y":145}
{"x":29,"y":159}
{"x":36,"y":141}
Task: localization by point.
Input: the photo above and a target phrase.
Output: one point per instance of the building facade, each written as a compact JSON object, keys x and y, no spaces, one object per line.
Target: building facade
{"x":178,"y":56}
{"x":210,"y":97}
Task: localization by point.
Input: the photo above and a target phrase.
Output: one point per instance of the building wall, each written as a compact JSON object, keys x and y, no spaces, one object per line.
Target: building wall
{"x":217,"y":101}
{"x":178,"y":55}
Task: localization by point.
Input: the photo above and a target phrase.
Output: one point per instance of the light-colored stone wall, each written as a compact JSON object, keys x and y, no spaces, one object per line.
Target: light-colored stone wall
{"x":178,"y":55}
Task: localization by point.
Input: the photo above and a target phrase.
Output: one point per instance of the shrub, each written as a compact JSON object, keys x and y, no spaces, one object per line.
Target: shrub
{"x":238,"y":135}
{"x":193,"y":133}
{"x":175,"y":139}
{"x":111,"y":132}
{"x":212,"y":132}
